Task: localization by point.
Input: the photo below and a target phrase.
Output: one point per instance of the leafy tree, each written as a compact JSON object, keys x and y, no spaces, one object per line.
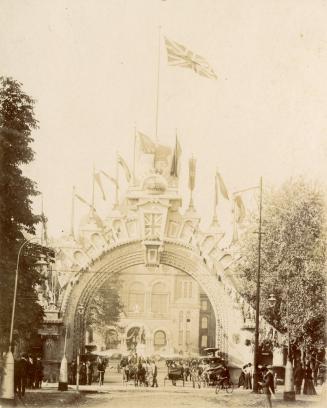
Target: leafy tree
{"x":105,"y":309}
{"x":17,"y":121}
{"x":293,"y":263}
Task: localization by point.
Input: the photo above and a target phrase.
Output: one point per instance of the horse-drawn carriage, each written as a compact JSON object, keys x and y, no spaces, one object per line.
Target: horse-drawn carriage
{"x":176,"y":371}
{"x":136,"y":372}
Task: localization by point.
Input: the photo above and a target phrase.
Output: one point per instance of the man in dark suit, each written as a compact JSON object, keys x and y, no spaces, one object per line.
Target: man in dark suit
{"x":21,"y":375}
{"x":268,"y":384}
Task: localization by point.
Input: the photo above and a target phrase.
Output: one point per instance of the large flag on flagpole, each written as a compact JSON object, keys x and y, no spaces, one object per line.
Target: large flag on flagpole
{"x":180,"y":56}
{"x":147,"y":146}
{"x":123,"y":164}
{"x":97,"y":178}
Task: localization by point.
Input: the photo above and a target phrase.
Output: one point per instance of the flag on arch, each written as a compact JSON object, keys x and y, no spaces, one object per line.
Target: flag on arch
{"x":123,"y":164}
{"x":180,"y":56}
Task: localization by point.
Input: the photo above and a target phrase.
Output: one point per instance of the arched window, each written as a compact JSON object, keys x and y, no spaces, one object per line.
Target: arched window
{"x":159,"y":339}
{"x":159,"y":298}
{"x":136,"y":298}
{"x":204,"y":322}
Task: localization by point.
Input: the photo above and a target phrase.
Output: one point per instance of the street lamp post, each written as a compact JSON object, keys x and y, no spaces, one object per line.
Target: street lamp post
{"x":7,"y":387}
{"x":257,"y":305}
{"x":289,"y":393}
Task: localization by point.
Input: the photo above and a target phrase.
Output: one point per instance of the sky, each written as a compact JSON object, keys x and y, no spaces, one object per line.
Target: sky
{"x":92,"y":66}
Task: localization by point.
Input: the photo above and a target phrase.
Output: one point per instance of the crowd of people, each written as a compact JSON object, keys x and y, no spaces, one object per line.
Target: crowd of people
{"x":28,"y":373}
{"x":89,"y":372}
{"x":143,"y":371}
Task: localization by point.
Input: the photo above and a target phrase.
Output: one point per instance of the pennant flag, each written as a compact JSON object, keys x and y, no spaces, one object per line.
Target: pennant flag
{"x":147,"y":146}
{"x":123,"y":164}
{"x":81,"y":199}
{"x":222,"y":186}
{"x":216,"y":192}
{"x":97,"y":178}
{"x":175,"y":162}
{"x":180,"y":56}
{"x":113,"y":180}
{"x":192,"y":169}
{"x":240,"y":207}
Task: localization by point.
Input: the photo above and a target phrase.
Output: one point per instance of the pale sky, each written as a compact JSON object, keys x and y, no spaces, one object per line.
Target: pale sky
{"x":92,"y":66}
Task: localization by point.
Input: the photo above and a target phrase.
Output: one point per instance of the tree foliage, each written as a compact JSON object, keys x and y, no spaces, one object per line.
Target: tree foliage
{"x":105,"y":307}
{"x":293,"y":260}
{"x":17,"y":121}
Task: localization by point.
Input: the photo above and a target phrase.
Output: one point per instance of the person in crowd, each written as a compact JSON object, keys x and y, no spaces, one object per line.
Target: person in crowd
{"x":154,"y":374}
{"x":298,"y":378}
{"x":30,"y":372}
{"x":268,"y":384}
{"x":247,"y":381}
{"x":21,"y":374}
{"x":308,"y":387}
{"x":241,"y":379}
{"x":82,"y":374}
{"x":38,"y":373}
{"x":89,"y":372}
{"x":72,"y":373}
{"x":101,"y":369}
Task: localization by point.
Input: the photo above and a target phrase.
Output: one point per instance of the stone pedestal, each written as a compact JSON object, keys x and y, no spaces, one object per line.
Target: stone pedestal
{"x":50,"y":333}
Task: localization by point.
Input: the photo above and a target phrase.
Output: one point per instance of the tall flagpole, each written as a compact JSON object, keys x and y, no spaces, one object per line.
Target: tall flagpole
{"x":117,"y":179}
{"x":134,"y":178}
{"x":42,"y":230}
{"x":158,"y":84}
{"x":93,"y":181}
{"x":72,"y":214}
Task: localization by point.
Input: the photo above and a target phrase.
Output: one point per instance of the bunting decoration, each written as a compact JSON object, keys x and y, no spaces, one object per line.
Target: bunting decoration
{"x":112,"y":179}
{"x":180,"y":56}
{"x":174,"y":171}
{"x":97,"y":178}
{"x":124,"y":166}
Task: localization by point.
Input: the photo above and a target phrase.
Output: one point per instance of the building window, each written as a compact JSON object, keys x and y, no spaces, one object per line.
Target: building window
{"x":204,"y":341}
{"x":159,"y":339}
{"x":188,"y":328}
{"x":136,"y":298}
{"x":204,"y":305}
{"x":180,"y":329}
{"x":204,"y":323}
{"x":159,"y":298}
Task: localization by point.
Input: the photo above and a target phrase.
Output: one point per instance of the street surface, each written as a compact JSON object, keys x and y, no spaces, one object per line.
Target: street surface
{"x":114,"y":394}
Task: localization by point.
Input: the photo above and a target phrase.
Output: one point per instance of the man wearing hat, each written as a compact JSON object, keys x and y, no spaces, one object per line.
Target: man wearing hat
{"x":268,"y":384}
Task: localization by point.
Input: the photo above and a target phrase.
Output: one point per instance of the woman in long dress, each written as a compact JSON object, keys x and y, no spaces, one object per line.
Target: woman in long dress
{"x":308,"y":387}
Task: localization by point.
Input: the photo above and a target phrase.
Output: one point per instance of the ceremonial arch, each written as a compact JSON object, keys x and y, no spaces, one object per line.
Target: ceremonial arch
{"x":178,"y":292}
{"x":127,"y":255}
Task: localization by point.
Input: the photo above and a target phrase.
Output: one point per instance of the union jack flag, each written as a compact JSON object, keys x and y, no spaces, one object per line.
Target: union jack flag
{"x":180,"y":56}
{"x":152,"y":224}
